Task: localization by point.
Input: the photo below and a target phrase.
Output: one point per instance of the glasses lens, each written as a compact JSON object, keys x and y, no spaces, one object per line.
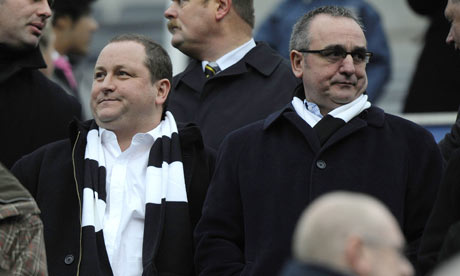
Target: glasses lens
{"x":334,"y":54}
{"x":359,"y":56}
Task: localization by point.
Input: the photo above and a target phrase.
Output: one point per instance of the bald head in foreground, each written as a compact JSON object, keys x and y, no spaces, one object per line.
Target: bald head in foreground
{"x":344,"y":233}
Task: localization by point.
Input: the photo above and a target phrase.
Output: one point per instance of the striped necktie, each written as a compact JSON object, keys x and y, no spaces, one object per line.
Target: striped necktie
{"x":211,"y":69}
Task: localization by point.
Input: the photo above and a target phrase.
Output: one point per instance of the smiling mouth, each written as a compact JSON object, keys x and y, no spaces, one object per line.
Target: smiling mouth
{"x":346,"y":83}
{"x":106,"y":100}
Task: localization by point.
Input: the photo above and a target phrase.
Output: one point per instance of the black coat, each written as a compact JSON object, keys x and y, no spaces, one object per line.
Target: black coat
{"x":441,"y":239}
{"x":269,"y":171}
{"x":34,"y":111}
{"x":435,"y":82}
{"x":55,"y":178}
{"x":248,"y":91}
{"x":295,"y":268}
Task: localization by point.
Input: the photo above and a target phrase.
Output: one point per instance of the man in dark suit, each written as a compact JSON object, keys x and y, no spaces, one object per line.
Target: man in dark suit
{"x":345,"y":233}
{"x":33,"y":110}
{"x":328,"y":138}
{"x":248,"y":78}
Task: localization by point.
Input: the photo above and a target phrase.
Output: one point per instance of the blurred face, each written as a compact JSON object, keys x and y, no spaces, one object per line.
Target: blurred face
{"x":331,"y":83}
{"x":22,"y":22}
{"x":189,"y":23}
{"x":123,"y":96}
{"x":81,"y":33}
{"x":386,"y":255}
{"x":452,"y":13}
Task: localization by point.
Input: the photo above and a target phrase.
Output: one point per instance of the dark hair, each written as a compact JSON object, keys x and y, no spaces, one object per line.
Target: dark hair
{"x":72,"y":8}
{"x":156,"y":58}
{"x":300,"y":36}
{"x":245,"y":9}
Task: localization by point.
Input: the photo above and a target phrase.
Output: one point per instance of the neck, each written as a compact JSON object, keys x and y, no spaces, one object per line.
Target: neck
{"x":233,"y":33}
{"x":223,"y":47}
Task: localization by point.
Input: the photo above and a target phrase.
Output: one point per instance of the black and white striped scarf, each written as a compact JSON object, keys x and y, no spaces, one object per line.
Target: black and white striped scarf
{"x":334,"y":120}
{"x":164,"y":185}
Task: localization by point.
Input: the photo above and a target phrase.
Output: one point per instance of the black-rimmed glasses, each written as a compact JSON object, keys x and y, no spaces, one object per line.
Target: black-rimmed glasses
{"x":338,"y":53}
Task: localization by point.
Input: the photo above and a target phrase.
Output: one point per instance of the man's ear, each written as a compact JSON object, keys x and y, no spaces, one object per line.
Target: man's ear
{"x":223,"y":8}
{"x":297,"y":61}
{"x":163,"y":87}
{"x":63,"y":23}
{"x":355,"y":257}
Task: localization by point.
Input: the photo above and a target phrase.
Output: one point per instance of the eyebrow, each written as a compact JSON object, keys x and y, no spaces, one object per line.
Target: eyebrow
{"x":359,"y":48}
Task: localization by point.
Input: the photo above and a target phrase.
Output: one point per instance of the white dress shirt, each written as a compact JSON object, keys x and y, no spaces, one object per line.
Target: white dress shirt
{"x":123,"y":224}
{"x":233,"y":56}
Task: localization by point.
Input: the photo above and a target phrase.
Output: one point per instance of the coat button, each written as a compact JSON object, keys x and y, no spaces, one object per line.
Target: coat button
{"x":321,"y":164}
{"x":69,"y":259}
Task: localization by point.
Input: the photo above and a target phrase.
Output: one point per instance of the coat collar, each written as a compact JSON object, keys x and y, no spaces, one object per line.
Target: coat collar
{"x":296,"y":268}
{"x":189,"y":133}
{"x":373,"y":116}
{"x":262,"y":58}
{"x":18,"y":60}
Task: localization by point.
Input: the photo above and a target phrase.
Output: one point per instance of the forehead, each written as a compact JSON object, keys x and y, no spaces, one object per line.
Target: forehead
{"x":122,"y":53}
{"x":330,"y":30}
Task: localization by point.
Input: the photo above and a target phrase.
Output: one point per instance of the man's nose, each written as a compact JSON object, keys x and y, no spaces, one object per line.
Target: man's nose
{"x":348,"y":65}
{"x":44,"y":10}
{"x":171,"y":11}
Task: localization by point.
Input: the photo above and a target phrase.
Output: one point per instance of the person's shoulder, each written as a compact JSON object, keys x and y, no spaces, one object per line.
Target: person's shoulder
{"x":51,"y":152}
{"x":403,"y":127}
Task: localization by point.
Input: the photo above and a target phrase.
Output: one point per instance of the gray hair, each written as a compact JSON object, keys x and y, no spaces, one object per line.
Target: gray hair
{"x":300,"y":36}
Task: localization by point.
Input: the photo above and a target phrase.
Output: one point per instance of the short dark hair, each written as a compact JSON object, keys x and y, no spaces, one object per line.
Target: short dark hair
{"x":245,"y":9}
{"x":157,"y":59}
{"x":72,"y":8}
{"x":300,"y":36}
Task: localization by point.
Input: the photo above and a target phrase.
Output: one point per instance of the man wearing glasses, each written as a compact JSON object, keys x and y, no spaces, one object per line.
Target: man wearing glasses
{"x":328,"y":138}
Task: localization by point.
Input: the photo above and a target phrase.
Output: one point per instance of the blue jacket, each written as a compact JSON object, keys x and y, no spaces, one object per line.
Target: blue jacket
{"x":269,"y":171}
{"x":276,"y":31}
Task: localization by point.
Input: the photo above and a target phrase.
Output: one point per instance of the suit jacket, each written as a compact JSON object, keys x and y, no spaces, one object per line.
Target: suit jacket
{"x":268,"y":172}
{"x":246,"y":92}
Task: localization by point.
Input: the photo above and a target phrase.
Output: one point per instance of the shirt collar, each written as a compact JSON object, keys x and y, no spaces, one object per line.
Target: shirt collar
{"x":313,"y":108}
{"x":108,"y":136}
{"x":233,"y":56}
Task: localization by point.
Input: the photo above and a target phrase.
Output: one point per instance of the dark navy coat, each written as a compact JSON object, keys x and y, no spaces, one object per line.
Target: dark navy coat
{"x":246,"y":92}
{"x":269,"y":171}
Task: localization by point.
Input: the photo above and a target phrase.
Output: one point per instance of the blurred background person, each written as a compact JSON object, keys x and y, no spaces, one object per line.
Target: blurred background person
{"x":347,"y":233}
{"x":22,"y":245}
{"x":277,"y":27}
{"x":435,"y":82}
{"x":73,"y":26}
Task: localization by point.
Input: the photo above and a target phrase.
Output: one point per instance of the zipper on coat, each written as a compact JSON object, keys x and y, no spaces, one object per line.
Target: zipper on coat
{"x":79,"y":199}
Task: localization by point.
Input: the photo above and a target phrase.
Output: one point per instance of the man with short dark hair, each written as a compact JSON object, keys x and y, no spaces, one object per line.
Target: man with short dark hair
{"x":328,"y":138}
{"x":232,"y":80}
{"x":33,"y":110}
{"x":124,"y":193}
